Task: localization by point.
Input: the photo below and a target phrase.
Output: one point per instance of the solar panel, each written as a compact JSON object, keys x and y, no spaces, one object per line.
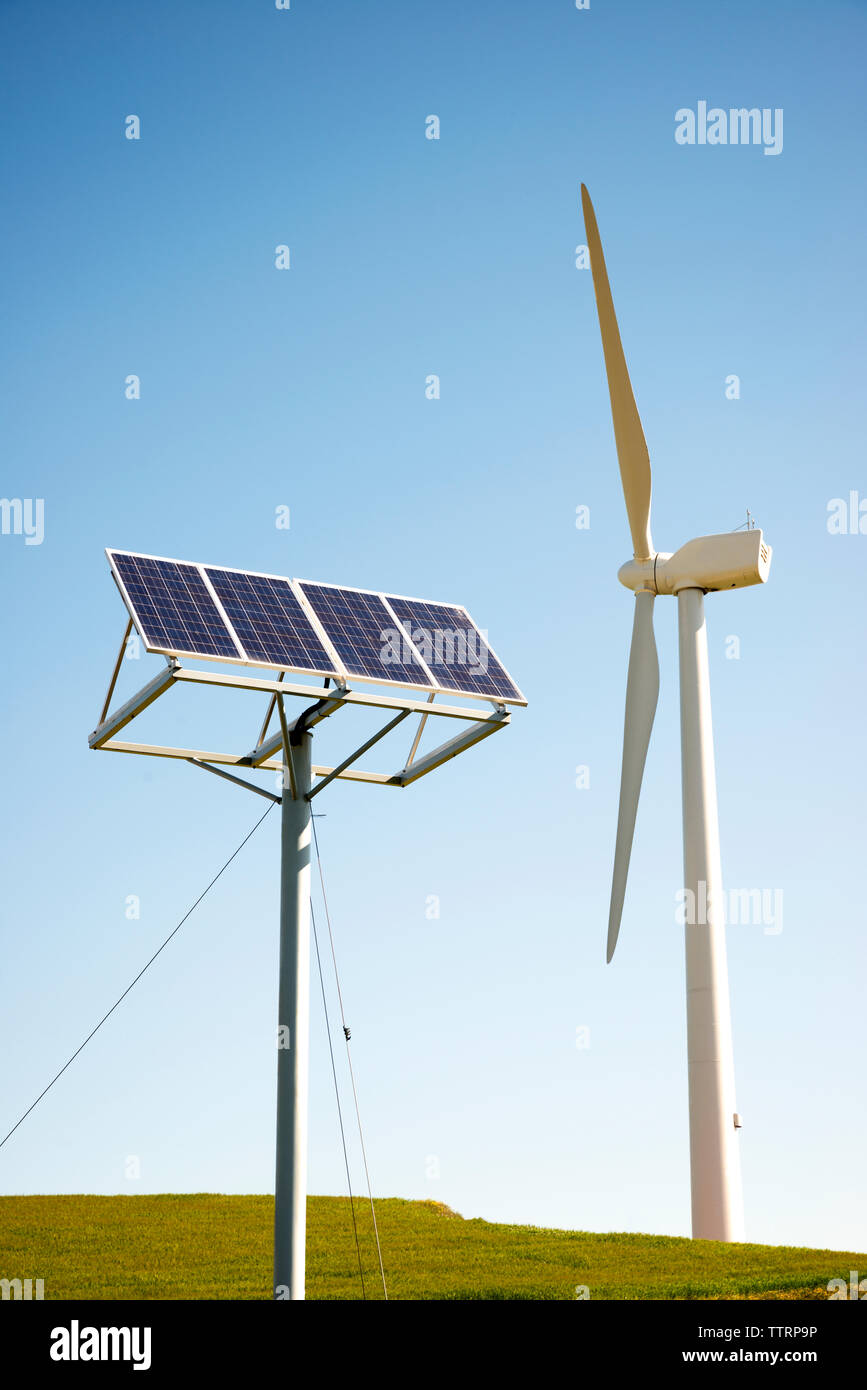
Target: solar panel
{"x":362,"y":631}
{"x":269,"y":621}
{"x":184,"y":609}
{"x":171,"y":607}
{"x":453,"y":649}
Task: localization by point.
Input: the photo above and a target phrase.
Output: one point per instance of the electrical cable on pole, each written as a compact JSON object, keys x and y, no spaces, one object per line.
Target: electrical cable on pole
{"x":347,"y":1035}
{"x":337,"y":1095}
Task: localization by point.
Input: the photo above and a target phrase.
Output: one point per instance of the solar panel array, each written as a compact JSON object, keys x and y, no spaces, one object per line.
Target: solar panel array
{"x":184,"y":609}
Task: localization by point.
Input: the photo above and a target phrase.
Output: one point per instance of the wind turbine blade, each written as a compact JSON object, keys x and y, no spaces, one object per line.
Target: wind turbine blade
{"x":628,"y":434}
{"x":642,"y":693}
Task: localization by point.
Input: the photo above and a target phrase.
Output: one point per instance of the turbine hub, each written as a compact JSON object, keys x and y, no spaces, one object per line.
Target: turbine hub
{"x":642,"y":576}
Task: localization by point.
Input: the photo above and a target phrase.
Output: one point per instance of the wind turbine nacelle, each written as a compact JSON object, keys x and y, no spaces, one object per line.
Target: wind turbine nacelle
{"x":733,"y":560}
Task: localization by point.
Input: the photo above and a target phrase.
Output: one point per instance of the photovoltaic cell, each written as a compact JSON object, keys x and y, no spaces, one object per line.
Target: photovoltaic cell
{"x":272,"y":626}
{"x":172,"y":608}
{"x":454,"y":649}
{"x":362,"y":632}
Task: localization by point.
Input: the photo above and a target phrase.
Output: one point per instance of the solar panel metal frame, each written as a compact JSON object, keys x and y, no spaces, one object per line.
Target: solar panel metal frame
{"x":436,"y":686}
{"x":477,"y":725}
{"x":338,"y":671}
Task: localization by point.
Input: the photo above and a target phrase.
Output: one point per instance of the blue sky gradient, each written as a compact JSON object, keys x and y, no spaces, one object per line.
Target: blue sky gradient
{"x":306,"y":388}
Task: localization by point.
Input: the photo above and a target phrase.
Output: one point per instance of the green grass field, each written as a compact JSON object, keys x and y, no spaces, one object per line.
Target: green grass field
{"x":217,"y":1247}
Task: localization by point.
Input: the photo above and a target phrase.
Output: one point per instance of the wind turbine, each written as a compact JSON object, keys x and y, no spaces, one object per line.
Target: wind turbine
{"x":733,"y":560}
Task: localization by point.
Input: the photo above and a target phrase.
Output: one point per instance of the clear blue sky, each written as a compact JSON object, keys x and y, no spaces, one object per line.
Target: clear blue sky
{"x":306,"y":388}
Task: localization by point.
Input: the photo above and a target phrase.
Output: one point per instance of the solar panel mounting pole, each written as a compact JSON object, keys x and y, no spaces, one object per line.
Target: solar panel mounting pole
{"x":293,"y":1036}
{"x":186,"y":610}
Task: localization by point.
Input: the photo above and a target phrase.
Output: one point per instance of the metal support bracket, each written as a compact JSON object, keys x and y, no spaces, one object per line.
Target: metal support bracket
{"x":239,"y":781}
{"x":116,"y":672}
{"x":269,"y":752}
{"x":353,"y":757}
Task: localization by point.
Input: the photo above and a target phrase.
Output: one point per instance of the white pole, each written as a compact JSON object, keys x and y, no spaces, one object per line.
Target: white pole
{"x":293,"y":1038}
{"x":717,"y":1203}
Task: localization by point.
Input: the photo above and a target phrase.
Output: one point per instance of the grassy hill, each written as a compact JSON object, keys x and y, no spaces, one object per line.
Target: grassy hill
{"x":219,"y":1247}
